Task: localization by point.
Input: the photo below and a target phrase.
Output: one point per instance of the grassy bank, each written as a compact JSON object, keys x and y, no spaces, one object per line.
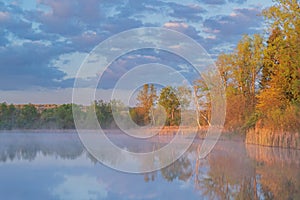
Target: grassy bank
{"x":269,"y":137}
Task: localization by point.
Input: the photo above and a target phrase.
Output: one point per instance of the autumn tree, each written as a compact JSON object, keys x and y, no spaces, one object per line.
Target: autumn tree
{"x":146,"y":100}
{"x":202,"y":102}
{"x":239,"y":72}
{"x":280,"y":84}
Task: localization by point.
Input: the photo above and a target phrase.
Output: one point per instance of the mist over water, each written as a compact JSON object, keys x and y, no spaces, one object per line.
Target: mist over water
{"x":57,"y":166}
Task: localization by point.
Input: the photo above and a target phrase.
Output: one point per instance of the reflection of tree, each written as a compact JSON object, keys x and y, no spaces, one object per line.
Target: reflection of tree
{"x":232,"y":171}
{"x":278,"y":170}
{"x":150,"y":176}
{"x":181,"y":169}
{"x":227,"y":174}
{"x":28,"y":146}
{"x":281,"y":188}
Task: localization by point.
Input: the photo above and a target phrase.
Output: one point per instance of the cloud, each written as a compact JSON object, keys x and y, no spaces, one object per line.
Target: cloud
{"x":70,"y":17}
{"x":230,"y":28}
{"x":114,"y":25}
{"x":12,"y":23}
{"x":221,"y":2}
{"x":34,"y":37}
{"x":3,"y":40}
{"x":190,"y":13}
{"x":185,"y":28}
{"x":146,"y":56}
{"x":86,"y":40}
{"x":213,"y":2}
{"x":27,"y":65}
{"x":238,"y":1}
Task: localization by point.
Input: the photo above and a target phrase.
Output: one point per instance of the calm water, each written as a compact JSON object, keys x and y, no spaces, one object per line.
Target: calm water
{"x":56,"y":166}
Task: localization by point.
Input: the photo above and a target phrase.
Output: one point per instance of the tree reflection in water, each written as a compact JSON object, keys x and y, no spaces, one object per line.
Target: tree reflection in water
{"x":28,"y":146}
{"x":232,"y":170}
{"x":227,"y":173}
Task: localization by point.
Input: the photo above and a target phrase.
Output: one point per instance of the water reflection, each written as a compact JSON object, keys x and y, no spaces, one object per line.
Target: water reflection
{"x":56,"y":166}
{"x":18,"y":146}
{"x":227,"y":173}
{"x":90,"y":188}
{"x":278,"y":170}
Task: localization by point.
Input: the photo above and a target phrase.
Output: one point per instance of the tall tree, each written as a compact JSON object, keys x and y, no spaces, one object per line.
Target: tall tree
{"x":240,"y":75}
{"x":281,"y":70}
{"x":170,"y":102}
{"x":202,"y":102}
{"x":146,"y":99}
{"x":104,"y":113}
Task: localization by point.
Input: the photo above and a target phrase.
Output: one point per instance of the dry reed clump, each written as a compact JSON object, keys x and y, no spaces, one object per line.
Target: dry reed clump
{"x":274,"y":138}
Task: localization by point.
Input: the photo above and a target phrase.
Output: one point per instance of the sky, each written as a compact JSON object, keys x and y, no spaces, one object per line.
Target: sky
{"x":44,"y":42}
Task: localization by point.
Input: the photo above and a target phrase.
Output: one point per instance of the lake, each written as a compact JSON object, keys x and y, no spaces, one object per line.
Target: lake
{"x":57,"y":166}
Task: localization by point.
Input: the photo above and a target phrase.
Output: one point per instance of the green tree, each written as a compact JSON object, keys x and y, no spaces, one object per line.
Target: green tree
{"x":170,"y":102}
{"x":7,"y":116}
{"x":48,"y":119}
{"x":64,"y":116}
{"x":28,"y":117}
{"x":104,"y":113}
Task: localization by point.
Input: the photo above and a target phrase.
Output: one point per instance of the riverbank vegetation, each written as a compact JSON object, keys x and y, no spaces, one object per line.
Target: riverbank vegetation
{"x":262,"y":79}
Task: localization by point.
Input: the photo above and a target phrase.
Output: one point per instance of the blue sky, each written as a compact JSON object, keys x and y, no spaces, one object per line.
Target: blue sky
{"x":43,"y":42}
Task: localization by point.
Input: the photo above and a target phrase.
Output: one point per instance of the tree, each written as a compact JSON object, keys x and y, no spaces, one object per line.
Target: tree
{"x":64,"y":116}
{"x":239,"y":72}
{"x":152,"y":100}
{"x":28,"y":117}
{"x":184,"y":96}
{"x":170,"y":102}
{"x":282,"y":55}
{"x":280,"y":84}
{"x":247,"y":65}
{"x":104,"y":113}
{"x":146,"y":99}
{"x":202,"y":102}
{"x":48,"y":119}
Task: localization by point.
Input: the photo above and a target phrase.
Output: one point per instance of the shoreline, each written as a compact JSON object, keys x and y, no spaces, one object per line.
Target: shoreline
{"x":169,"y":131}
{"x":165,"y":131}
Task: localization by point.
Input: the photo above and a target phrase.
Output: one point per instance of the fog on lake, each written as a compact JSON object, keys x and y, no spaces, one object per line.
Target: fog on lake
{"x":57,"y":166}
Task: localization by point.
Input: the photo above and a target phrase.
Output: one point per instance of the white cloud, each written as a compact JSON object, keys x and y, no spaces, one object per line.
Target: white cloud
{"x":176,"y":25}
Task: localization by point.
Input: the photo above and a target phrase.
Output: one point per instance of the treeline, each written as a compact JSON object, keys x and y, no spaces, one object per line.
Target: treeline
{"x":171,"y":100}
{"x":261,"y":79}
{"x":60,"y":117}
{"x":28,"y":117}
{"x":262,"y":76}
{"x":163,"y":109}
